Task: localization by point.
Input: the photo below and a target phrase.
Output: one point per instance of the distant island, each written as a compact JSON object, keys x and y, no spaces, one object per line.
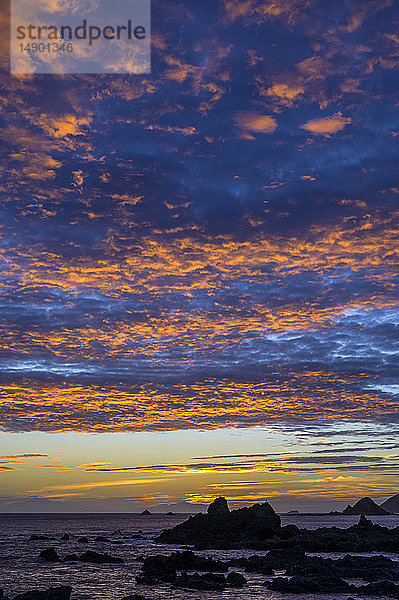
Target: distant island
{"x":392,"y":504}
{"x":365,"y":506}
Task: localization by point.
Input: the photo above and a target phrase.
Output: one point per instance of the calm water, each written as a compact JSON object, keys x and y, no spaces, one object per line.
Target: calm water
{"x":21,"y":569}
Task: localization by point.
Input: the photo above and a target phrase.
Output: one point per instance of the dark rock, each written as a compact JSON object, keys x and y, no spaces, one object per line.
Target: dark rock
{"x":101,"y":538}
{"x":169,"y":514}
{"x":71,"y":557}
{"x":83,"y":540}
{"x":53,"y":593}
{"x":221,"y":528}
{"x":208,"y":581}
{"x":365,"y":506}
{"x":146,"y":513}
{"x":50,"y":555}
{"x":95,"y":557}
{"x":370,"y":568}
{"x":35,"y":537}
{"x":235,"y":580}
{"x":364,"y":522}
{"x":308,"y":585}
{"x":392,"y":504}
{"x":144,"y":579}
{"x":183,"y":561}
{"x":161,"y":568}
{"x":380,"y":588}
{"x":65,"y":537}
{"x":218,"y":508}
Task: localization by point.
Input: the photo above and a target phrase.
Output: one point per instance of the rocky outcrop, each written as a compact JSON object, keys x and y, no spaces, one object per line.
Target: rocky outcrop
{"x":392,"y":504}
{"x":210,"y":581}
{"x":163,"y":569}
{"x":222,"y":528}
{"x":218,"y":508}
{"x":387,"y":589}
{"x":146,"y":513}
{"x":94,"y":557}
{"x":50,"y":555}
{"x":365,"y":506}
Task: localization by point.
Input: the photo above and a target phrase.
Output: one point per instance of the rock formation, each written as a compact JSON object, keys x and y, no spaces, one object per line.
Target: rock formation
{"x":365,"y":506}
{"x":392,"y":504}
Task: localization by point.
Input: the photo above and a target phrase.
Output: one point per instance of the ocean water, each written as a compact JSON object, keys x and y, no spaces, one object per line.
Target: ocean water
{"x":21,"y":569}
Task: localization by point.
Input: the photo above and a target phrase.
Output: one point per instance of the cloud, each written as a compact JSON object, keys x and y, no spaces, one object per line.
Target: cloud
{"x":327,"y":125}
{"x":249,"y":123}
{"x":12,"y":456}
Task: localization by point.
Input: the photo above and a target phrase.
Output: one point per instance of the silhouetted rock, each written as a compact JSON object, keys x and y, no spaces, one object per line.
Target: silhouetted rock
{"x":364,"y":522}
{"x":71,"y":557}
{"x":208,"y":581}
{"x":50,"y":555}
{"x":221,"y":528}
{"x":101,"y":538}
{"x":364,"y":506}
{"x":392,"y":504}
{"x":36,"y":537}
{"x":369,"y":568}
{"x":305,"y":584}
{"x":218,"y":508}
{"x":53,"y":593}
{"x":65,"y":537}
{"x":83,"y":540}
{"x":146,"y":513}
{"x":182,"y":561}
{"x":235,"y":580}
{"x":380,"y":588}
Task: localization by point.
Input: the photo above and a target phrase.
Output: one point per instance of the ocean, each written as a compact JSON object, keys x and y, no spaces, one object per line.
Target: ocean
{"x":21,"y":569}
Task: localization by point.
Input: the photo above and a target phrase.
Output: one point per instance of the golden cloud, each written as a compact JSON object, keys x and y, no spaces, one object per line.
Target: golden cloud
{"x":252,"y":122}
{"x":327,"y":125}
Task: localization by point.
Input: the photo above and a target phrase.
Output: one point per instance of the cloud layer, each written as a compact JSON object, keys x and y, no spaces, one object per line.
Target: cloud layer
{"x":211,"y":244}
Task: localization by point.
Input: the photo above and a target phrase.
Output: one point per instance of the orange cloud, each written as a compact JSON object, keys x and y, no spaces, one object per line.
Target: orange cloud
{"x":252,"y":122}
{"x":327,"y":125}
{"x":207,"y":405}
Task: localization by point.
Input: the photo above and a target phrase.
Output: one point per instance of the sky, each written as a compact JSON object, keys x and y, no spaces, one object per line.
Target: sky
{"x":199,"y":266}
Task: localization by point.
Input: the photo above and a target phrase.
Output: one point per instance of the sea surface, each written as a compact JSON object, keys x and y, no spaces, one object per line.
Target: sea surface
{"x":21,"y":569}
